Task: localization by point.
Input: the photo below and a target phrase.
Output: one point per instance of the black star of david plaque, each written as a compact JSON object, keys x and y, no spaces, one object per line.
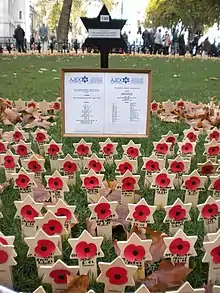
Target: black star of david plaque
{"x":104,"y":34}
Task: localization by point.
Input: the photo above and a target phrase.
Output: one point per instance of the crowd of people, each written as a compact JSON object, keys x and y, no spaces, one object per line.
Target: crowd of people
{"x":150,"y":41}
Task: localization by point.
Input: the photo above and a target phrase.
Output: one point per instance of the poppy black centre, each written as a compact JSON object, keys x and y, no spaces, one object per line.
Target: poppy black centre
{"x":69,"y":166}
{"x":83,"y":150}
{"x":210,"y":210}
{"x":91,"y":182}
{"x":94,"y":165}
{"x":29,"y":212}
{"x":61,"y":215}
{"x":43,"y":248}
{"x":126,"y":167}
{"x":132,"y":151}
{"x":141,"y":213}
{"x":55,"y":183}
{"x":35,"y":166}
{"x":153,"y":166}
{"x":86,"y":250}
{"x":193,"y":182}
{"x":52,"y":228}
{"x":23,"y":180}
{"x":163,"y":181}
{"x":219,"y":253}
{"x":53,"y":150}
{"x":61,"y":277}
{"x":103,"y":211}
{"x":117,"y":277}
{"x":128,"y":184}
{"x":135,"y":252}
{"x":177,"y":213}
{"x":108,"y":149}
{"x":186,"y":148}
{"x":180,"y":247}
{"x":177,"y":166}
{"x":8,"y":161}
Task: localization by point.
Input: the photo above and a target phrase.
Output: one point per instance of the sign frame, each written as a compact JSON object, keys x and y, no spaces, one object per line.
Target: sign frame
{"x":106,"y":70}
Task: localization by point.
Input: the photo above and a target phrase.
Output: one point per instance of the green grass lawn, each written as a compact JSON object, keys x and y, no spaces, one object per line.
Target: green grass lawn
{"x":172,"y":79}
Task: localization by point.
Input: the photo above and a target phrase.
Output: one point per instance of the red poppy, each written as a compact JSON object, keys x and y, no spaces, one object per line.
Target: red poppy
{"x":207,"y":169}
{"x":17,"y":136}
{"x":176,"y":167}
{"x":103,"y":210}
{"x":128,"y":183}
{"x":171,"y":139}
{"x":179,"y":246}
{"x":91,"y":182}
{"x":61,"y":212}
{"x":53,"y":227}
{"x":9,"y":162}
{"x":141,"y":213}
{"x":216,"y":184}
{"x":177,"y":213}
{"x":162,"y":148}
{"x":154,"y":106}
{"x":192,"y":136}
{"x":53,"y":149}
{"x":32,"y":105}
{"x":85,"y":250}
{"x":56,"y":106}
{"x":152,"y":166}
{"x":40,"y":137}
{"x":82,"y":150}
{"x":162,"y":180}
{"x":133,"y":152}
{"x":187,"y":148}
{"x":94,"y":165}
{"x":59,"y":276}
{"x":209,"y":210}
{"x":213,"y":151}
{"x":22,"y":150}
{"x":22,"y":181}
{"x":44,"y":248}
{"x":69,"y":167}
{"x":28,"y":213}
{"x":117,"y":276}
{"x":3,"y":241}
{"x":2,"y":148}
{"x":180,"y":104}
{"x":215,"y":253}
{"x":3,"y":256}
{"x":192,"y":183}
{"x":108,"y":149}
{"x":124,"y":167}
{"x":55,"y":183}
{"x":134,"y":252}
{"x":214,"y":135}
{"x":34,"y":166}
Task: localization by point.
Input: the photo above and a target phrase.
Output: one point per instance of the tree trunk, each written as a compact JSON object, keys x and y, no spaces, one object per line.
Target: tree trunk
{"x":63,"y":26}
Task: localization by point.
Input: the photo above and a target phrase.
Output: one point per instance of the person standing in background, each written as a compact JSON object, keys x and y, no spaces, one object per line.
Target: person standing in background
{"x":158,"y":43}
{"x":19,"y":35}
{"x":43,"y":33}
{"x":167,"y":43}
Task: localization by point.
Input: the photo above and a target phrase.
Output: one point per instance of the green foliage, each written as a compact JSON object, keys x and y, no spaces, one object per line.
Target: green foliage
{"x":54,"y":15}
{"x":193,"y":15}
{"x":109,"y":3}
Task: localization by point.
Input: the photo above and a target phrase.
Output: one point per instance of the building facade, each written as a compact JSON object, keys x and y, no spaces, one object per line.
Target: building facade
{"x":12,"y":13}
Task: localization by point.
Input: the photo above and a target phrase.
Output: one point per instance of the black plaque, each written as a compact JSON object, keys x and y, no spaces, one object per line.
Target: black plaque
{"x":104,"y":34}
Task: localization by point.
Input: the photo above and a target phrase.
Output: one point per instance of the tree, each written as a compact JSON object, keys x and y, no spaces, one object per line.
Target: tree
{"x":190,"y":15}
{"x":109,"y":4}
{"x":64,"y":21}
{"x":54,"y":15}
{"x":78,"y":10}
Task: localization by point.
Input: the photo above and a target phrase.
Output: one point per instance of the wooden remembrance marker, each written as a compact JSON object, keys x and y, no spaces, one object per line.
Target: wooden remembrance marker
{"x":104,"y":33}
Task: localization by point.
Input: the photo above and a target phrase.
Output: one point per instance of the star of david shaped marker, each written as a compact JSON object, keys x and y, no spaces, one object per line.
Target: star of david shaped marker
{"x":86,"y":249}
{"x":56,"y":275}
{"x":104,"y":32}
{"x":35,"y":158}
{"x":51,"y":224}
{"x":9,"y":251}
{"x":25,"y":209}
{"x":126,"y":164}
{"x":23,"y":144}
{"x":168,"y":106}
{"x":212,"y":150}
{"x":114,"y":272}
{"x":61,"y":208}
{"x":140,"y":216}
{"x":186,"y":287}
{"x":191,"y":134}
{"x":213,"y":134}
{"x":44,"y":106}
{"x":40,"y":290}
{"x":180,"y":160}
{"x":131,"y":149}
{"x":142,"y":289}
{"x":8,"y":240}
{"x":20,"y":105}
{"x":18,"y":134}
{"x":180,"y":241}
{"x":95,"y":163}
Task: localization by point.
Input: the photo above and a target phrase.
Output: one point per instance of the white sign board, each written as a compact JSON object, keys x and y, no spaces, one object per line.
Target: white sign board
{"x":105,"y":102}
